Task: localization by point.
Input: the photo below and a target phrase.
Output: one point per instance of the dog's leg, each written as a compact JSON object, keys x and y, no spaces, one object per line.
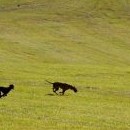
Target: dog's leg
{"x":63,"y":91}
{"x":4,"y":95}
{"x":0,"y":94}
{"x":55,"y":89}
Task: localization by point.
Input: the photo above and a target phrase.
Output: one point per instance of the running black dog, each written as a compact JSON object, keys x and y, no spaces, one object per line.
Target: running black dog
{"x":63,"y":86}
{"x":5,"y":90}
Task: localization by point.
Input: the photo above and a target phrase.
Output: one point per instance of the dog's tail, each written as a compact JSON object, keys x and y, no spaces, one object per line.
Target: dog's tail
{"x":48,"y":82}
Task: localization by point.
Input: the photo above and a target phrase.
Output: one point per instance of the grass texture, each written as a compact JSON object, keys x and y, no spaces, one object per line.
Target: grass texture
{"x":81,"y":42}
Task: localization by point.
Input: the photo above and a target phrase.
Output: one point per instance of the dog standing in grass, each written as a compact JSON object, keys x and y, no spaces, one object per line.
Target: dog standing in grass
{"x":63,"y":86}
{"x":5,"y":90}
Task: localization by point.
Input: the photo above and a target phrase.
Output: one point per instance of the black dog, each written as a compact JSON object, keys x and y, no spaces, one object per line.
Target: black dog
{"x":63,"y":86}
{"x":5,"y":90}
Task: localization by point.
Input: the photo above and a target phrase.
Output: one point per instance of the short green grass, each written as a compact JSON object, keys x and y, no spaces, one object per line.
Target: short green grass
{"x":84,"y":43}
{"x":32,"y":105}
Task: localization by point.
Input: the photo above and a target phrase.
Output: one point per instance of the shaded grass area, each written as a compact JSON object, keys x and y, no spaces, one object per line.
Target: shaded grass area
{"x":57,"y":27}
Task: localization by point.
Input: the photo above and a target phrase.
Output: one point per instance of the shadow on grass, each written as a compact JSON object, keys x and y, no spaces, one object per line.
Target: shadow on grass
{"x":92,"y":88}
{"x":125,"y":93}
{"x":50,"y":94}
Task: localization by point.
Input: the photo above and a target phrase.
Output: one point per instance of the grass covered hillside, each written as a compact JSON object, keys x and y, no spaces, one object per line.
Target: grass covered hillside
{"x":83,"y":31}
{"x":85,"y":43}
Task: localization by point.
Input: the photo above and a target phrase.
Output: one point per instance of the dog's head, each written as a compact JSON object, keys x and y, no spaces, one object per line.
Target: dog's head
{"x":75,"y":89}
{"x":11,"y":86}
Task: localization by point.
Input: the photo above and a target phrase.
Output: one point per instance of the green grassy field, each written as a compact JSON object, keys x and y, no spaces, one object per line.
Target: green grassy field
{"x":81,"y":42}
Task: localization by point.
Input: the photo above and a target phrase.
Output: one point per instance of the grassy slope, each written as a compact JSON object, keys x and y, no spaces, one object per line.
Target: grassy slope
{"x":85,"y":43}
{"x":67,"y":28}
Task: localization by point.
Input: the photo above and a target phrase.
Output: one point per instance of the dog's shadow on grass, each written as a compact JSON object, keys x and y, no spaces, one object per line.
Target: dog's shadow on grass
{"x":50,"y":94}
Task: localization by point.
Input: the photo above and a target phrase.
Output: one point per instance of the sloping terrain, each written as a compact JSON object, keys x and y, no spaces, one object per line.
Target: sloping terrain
{"x":59,"y":31}
{"x":85,"y":43}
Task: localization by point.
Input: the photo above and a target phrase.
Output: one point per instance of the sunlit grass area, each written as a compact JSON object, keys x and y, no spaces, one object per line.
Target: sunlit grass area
{"x":83,"y":43}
